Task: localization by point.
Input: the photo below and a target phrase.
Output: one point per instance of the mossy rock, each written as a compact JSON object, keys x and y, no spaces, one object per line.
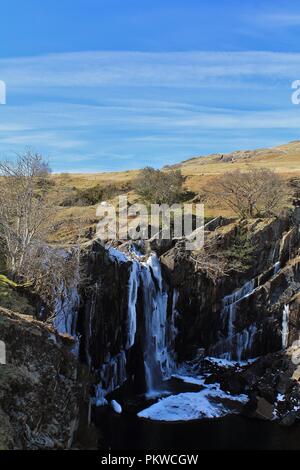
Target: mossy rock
{"x":5,"y":282}
{"x":12,"y":299}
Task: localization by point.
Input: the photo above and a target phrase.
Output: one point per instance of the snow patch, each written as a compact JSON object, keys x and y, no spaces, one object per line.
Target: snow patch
{"x":193,"y":405}
{"x":189,"y":379}
{"x":117,"y":255}
{"x":116,"y":406}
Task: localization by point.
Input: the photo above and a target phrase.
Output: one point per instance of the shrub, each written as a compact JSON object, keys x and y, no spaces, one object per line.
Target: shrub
{"x":159,"y":187}
{"x":92,"y":196}
{"x":241,"y":253}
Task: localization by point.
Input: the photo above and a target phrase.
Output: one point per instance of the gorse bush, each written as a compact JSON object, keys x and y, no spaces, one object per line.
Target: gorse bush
{"x":94,"y":195}
{"x":159,"y":187}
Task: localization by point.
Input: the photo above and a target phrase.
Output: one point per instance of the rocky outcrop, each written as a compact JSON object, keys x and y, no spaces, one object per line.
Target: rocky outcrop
{"x":104,"y":304}
{"x":40,"y":395}
{"x":272,"y":383}
{"x":294,"y":318}
{"x":203,"y":320}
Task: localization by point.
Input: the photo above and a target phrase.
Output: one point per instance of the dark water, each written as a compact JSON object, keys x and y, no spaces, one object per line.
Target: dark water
{"x":233,"y":432}
{"x":126,"y":431}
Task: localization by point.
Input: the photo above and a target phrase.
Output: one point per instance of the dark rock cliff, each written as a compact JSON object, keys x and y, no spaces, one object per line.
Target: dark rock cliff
{"x":40,"y":393}
{"x":200,"y":303}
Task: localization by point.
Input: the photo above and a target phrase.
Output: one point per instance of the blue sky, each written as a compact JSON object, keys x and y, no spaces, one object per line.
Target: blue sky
{"x":100,"y":85}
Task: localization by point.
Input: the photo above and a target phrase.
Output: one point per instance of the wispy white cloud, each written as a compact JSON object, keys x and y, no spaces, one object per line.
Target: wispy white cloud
{"x":70,"y":126}
{"x":52,"y":139}
{"x":171,"y":105}
{"x":136,"y":69}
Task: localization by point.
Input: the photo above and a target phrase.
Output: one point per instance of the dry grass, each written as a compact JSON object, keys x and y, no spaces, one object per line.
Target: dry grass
{"x":199,"y":173}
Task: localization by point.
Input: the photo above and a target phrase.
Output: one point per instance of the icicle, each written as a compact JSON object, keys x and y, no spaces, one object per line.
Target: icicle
{"x":229,"y":310}
{"x":112,"y":376}
{"x":239,"y":294}
{"x":132,"y":299}
{"x":66,"y":312}
{"x":277,"y":267}
{"x":244,"y":342}
{"x":173,"y":331}
{"x":285,"y":326}
{"x":234,"y":343}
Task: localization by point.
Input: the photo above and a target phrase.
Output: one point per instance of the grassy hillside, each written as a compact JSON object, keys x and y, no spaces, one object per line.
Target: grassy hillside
{"x":199,"y":172}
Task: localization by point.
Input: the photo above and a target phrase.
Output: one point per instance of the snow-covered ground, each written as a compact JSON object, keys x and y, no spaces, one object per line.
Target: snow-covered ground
{"x":226,"y":364}
{"x":188,"y":379}
{"x":117,"y":255}
{"x":208,"y":403}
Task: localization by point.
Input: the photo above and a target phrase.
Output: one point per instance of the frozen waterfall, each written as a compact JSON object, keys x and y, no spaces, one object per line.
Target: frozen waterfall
{"x":235,"y":345}
{"x":66,"y":308}
{"x":155,"y":303}
{"x":134,"y":282}
{"x":147,"y":325}
{"x":285,"y":326}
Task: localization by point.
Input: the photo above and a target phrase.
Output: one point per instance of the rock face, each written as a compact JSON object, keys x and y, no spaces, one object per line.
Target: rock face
{"x":40,"y":396}
{"x":240,"y":315}
{"x":272,"y":383}
{"x":104,"y":304}
{"x":103,"y":317}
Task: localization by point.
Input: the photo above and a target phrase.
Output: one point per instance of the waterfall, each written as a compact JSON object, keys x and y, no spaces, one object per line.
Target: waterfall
{"x":244,"y":341}
{"x":235,"y":345}
{"x":158,"y":332}
{"x":239,"y":294}
{"x":134,"y":282}
{"x":112,"y":375}
{"x":147,"y":324}
{"x":173,"y":331}
{"x":229,"y":309}
{"x":285,"y":326}
{"x":155,"y":344}
{"x":66,"y":308}
{"x":90,"y":315}
{"x":67,"y":299}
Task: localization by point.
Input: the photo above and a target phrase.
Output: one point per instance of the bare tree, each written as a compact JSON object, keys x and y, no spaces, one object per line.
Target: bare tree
{"x":24,"y":210}
{"x":257,"y":192}
{"x":25,"y":221}
{"x":210,"y":260}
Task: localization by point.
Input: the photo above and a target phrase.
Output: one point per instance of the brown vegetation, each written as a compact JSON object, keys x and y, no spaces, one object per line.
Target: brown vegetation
{"x":256,"y":192}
